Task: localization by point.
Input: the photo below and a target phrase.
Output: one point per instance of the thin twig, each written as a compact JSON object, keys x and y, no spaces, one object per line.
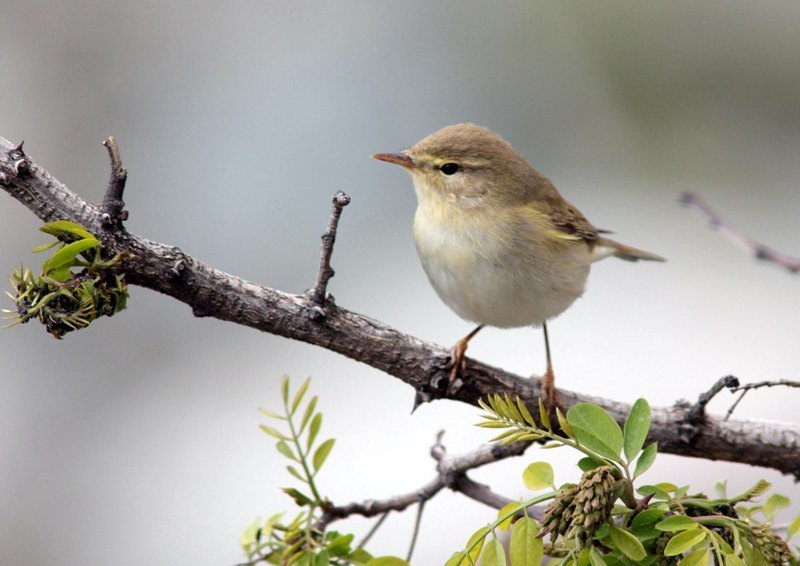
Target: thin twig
{"x":760,"y":251}
{"x":372,"y":507}
{"x":113,"y":205}
{"x":452,"y":472}
{"x":417,"y":522}
{"x":744,"y":389}
{"x":319,"y":293}
{"x":373,"y":530}
{"x":697,"y":413}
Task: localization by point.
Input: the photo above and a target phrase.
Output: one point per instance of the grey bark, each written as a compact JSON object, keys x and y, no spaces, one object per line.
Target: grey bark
{"x":211,"y":292}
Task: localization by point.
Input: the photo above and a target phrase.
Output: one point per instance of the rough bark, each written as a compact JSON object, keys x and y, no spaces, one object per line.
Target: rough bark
{"x":211,"y":292}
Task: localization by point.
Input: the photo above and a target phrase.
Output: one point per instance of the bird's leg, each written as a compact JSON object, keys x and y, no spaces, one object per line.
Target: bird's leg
{"x":549,"y":393}
{"x":458,"y":361}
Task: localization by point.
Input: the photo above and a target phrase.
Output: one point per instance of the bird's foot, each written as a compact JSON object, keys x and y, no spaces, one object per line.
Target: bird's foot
{"x":458,"y":366}
{"x":549,"y":392}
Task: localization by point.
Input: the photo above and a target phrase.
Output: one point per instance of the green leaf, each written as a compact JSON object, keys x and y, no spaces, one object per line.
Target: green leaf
{"x":587,"y":463}
{"x":515,"y":436}
{"x":759,"y":488}
{"x":360,"y":557}
{"x":637,"y":425}
{"x":62,"y":274}
{"x":596,"y":429}
{"x":526,"y":414}
{"x":322,"y":453}
{"x":544,"y":417}
{"x":684,"y":541}
{"x":45,"y":247}
{"x":721,"y":542}
{"x":529,"y":437}
{"x":564,"y":424}
{"x":284,"y":449}
{"x":68,"y":254}
{"x":774,"y":504}
{"x":628,"y":544}
{"x":721,"y":489}
{"x":513,"y":411}
{"x":249,"y":535}
{"x":646,"y":459}
{"x":699,"y":557}
{"x":307,"y":414}
{"x":322,"y":559}
{"x":270,"y":414}
{"x":677,"y":523}
{"x":299,"y":395}
{"x":655,"y":490}
{"x":647,"y":517}
{"x":595,"y":557}
{"x":477,"y":538}
{"x":493,"y":554}
{"x":538,"y":475}
{"x":299,"y":497}
{"x":455,"y":559}
{"x":525,"y":549}
{"x":272,"y":432}
{"x":62,"y":227}
{"x":492,"y":424}
{"x":285,"y":388}
{"x":388,"y":561}
{"x":340,"y":546}
{"x":313,"y":430}
{"x":505,"y":510}
{"x":295,"y":473}
{"x":794,"y":527}
{"x":505,"y":434}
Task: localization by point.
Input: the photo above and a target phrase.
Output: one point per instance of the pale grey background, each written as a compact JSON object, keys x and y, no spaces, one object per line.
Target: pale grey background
{"x":137,"y":442}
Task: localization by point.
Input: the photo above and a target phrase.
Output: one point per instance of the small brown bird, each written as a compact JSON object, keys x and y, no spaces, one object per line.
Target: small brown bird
{"x":499,"y":244}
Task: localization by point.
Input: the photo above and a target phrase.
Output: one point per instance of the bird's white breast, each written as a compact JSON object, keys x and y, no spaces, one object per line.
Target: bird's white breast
{"x":496,"y":279}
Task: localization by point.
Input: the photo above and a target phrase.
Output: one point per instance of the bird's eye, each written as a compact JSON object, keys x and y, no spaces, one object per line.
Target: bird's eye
{"x":450,"y":168}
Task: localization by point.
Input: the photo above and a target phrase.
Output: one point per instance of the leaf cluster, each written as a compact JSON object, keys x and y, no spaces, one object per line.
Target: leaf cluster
{"x":303,"y":540}
{"x":62,"y":297}
{"x":606,"y":518}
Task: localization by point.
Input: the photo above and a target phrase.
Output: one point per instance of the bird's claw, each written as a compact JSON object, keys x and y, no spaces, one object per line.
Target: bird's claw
{"x":457,"y":367}
{"x":549,"y":393}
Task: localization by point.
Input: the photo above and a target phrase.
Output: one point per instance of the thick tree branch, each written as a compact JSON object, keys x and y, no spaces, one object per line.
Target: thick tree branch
{"x":210,"y":292}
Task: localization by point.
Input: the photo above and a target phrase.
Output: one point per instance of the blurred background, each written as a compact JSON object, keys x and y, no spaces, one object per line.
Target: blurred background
{"x":136,"y":441}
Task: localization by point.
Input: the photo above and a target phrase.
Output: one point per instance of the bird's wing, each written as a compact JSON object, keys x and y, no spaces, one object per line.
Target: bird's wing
{"x":571,"y":222}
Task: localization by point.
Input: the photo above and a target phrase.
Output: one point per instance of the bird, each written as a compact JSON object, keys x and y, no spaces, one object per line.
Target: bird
{"x":499,"y":244}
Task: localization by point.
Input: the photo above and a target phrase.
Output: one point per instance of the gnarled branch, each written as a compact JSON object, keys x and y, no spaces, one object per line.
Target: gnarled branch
{"x":211,"y":292}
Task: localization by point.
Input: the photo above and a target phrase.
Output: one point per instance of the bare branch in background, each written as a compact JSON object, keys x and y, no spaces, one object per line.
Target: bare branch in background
{"x":759,"y":251}
{"x":744,"y":389}
{"x":210,"y":292}
{"x":452,"y":474}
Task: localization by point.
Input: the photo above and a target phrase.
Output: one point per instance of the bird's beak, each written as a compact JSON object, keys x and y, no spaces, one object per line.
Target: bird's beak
{"x":397,"y":158}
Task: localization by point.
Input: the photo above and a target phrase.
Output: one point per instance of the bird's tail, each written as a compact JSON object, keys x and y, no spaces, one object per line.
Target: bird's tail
{"x":604,"y":248}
